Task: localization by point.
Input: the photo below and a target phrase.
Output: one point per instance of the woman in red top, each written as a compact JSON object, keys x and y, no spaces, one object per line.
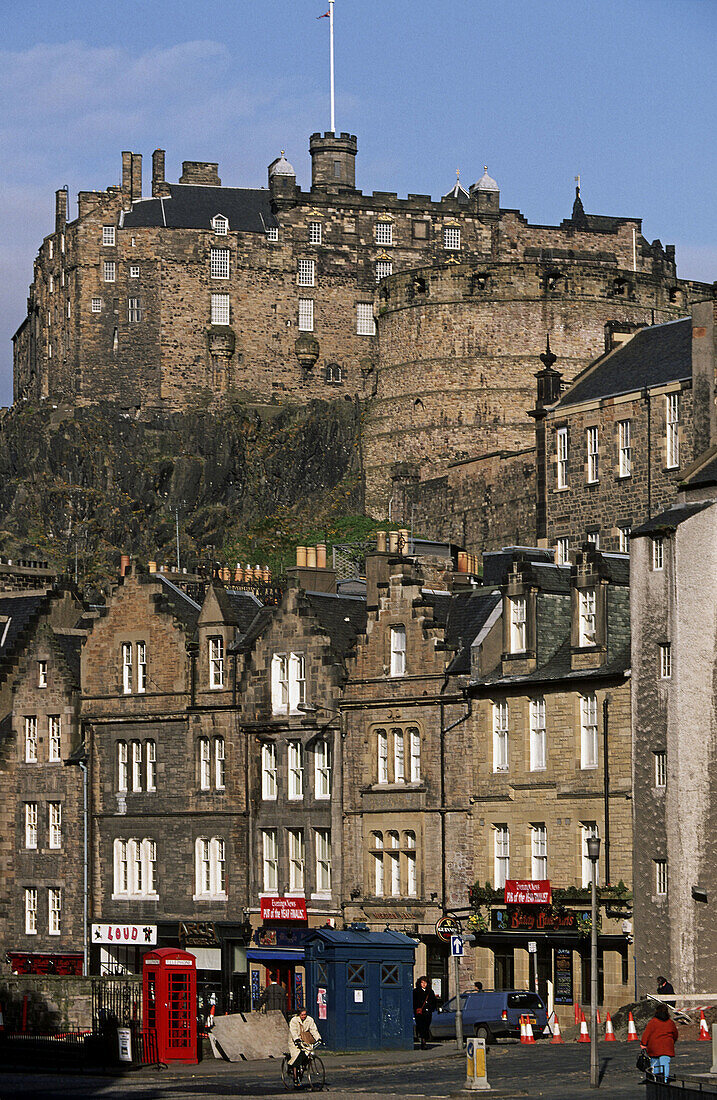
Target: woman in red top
{"x":659,"y":1039}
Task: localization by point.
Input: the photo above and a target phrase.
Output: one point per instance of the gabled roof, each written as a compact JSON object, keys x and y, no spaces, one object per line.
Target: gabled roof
{"x":467,"y":615}
{"x":671,"y":518}
{"x":192,"y":206}
{"x":19,"y":611}
{"x":653,"y":357}
{"x":176,"y":602}
{"x":702,"y":472}
{"x":238,"y":608}
{"x":70,"y":646}
{"x":343,"y":617}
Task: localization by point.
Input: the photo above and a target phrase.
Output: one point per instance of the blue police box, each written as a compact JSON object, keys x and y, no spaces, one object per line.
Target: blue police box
{"x":365,"y":981}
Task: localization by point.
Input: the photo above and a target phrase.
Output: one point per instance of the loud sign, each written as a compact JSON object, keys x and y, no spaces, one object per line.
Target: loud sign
{"x":447,"y":927}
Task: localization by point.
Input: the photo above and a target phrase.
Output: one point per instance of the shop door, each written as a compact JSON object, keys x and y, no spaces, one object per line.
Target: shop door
{"x":437,"y":967}
{"x":284,"y":974}
{"x":503,"y":968}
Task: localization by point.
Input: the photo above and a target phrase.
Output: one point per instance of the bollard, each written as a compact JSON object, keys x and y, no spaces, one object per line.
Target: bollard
{"x":714,"y":1049}
{"x":476,"y":1069}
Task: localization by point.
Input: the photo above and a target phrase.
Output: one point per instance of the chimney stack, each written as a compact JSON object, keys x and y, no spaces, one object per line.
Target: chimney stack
{"x":124,"y":565}
{"x":136,"y":176}
{"x":159,"y":185}
{"x":60,"y":209}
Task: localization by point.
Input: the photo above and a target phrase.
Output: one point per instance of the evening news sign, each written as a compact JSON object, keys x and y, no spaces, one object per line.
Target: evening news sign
{"x":283,"y":909}
{"x":125,"y":934}
{"x":527,"y":892}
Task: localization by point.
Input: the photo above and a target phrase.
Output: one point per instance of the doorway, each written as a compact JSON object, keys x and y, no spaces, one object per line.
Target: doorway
{"x":285,"y":976}
{"x":541,"y":969}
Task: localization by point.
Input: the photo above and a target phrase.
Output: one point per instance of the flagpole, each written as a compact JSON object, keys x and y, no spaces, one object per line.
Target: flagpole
{"x":331,"y":55}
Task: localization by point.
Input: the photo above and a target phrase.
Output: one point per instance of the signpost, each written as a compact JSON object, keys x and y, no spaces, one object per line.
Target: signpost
{"x":457,"y":946}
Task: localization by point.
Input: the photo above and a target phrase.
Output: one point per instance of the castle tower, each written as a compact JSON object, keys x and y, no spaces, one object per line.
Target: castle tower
{"x":333,"y":161}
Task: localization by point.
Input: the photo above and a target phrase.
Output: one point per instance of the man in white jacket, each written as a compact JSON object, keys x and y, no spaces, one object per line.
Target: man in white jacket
{"x":302,"y":1029}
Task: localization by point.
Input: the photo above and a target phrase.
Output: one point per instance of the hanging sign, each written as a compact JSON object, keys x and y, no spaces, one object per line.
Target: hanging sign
{"x":528,"y":891}
{"x":283,"y":908}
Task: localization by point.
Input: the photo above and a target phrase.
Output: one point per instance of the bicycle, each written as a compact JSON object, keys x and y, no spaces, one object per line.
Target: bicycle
{"x":311,"y":1067}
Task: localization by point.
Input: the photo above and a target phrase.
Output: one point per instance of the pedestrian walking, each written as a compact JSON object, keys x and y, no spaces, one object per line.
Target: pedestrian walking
{"x":425,"y":1003}
{"x":658,"y":1039}
{"x":274,"y":998}
{"x":664,"y":988}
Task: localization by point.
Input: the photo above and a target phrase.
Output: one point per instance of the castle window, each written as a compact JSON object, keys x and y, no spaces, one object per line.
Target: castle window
{"x":337,"y":169}
{"x":672,"y":401}
{"x":383,"y":233}
{"x":220,"y":309}
{"x":108,"y":234}
{"x":306,"y":270}
{"x":96,"y":305}
{"x":334,"y":373}
{"x":451,"y":237}
{"x":665,"y":661}
{"x":660,"y":769}
{"x":54,"y":731}
{"x":219,"y":263}
{"x":562,"y":551}
{"x":365,"y":323}
{"x":42,"y":674}
{"x":314,"y":232}
{"x":134,"y":271}
{"x":54,"y":822}
{"x":272,"y":233}
{"x":500,"y":736}
{"x":134,"y":310}
{"x":54,"y":901}
{"x":31,"y":824}
{"x":31,"y":911}
{"x":109,"y":267}
{"x":306,"y":314}
{"x":624,"y":448}
{"x":588,"y":732}
{"x":31,"y":740}
{"x":220,"y":225}
{"x":592,"y":449}
{"x":661,"y":878}
{"x":383,"y":268}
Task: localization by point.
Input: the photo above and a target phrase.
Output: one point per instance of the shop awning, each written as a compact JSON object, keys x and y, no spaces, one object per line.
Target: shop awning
{"x":278,"y":954}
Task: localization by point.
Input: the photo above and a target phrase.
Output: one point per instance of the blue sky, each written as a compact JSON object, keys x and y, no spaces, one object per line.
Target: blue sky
{"x":621,"y":91}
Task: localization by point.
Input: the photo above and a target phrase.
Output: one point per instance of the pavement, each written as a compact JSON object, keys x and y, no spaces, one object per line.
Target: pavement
{"x":543,"y":1070}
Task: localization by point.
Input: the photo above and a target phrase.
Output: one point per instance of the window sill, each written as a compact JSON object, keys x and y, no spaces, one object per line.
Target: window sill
{"x":323,"y":895}
{"x":28,"y":933}
{"x":588,"y":767}
{"x":561,"y":489}
{"x":209,"y":897}
{"x":623,"y":477}
{"x":134,"y":897}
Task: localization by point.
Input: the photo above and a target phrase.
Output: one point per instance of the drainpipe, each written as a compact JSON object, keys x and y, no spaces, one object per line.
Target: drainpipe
{"x":606,"y":785}
{"x":646,"y":395}
{"x":85,"y":873}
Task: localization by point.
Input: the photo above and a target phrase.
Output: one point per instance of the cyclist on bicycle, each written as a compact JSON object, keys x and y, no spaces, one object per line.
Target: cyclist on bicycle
{"x":303,"y":1030}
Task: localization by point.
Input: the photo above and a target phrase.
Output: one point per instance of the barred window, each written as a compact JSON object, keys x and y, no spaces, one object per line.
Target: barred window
{"x":96,"y":305}
{"x":134,"y":271}
{"x":383,"y":233}
{"x":306,"y":271}
{"x":451,"y":237}
{"x":314,"y":232}
{"x":272,"y":233}
{"x":365,"y":323}
{"x":665,"y":661}
{"x":306,"y":314}
{"x":383,"y":268}
{"x":661,"y":877}
{"x":660,"y":769}
{"x":220,"y":309}
{"x":219,"y":263}
{"x":220,"y":225}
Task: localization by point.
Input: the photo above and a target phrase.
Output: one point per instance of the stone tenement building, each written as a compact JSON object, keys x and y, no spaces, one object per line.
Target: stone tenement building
{"x":162,"y":301}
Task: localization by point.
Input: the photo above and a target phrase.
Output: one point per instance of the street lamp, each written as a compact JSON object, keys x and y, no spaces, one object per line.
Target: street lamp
{"x":593,"y":846}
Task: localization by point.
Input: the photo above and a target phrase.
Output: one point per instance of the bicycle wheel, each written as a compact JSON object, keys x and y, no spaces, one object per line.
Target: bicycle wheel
{"x":287,"y":1074}
{"x":316,"y":1074}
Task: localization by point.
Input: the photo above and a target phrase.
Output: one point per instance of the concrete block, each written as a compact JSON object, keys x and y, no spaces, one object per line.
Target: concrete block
{"x":255,"y":1035}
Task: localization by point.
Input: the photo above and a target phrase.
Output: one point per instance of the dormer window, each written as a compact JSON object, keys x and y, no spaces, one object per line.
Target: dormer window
{"x":398,"y":651}
{"x":518,"y":632}
{"x":220,"y":225}
{"x":587,"y":622}
{"x":216,"y":662}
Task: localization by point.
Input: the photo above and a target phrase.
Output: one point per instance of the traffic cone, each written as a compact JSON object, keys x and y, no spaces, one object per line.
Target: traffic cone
{"x":557,"y":1037}
{"x":523,"y":1036}
{"x":598,"y":1017}
{"x":529,"y":1037}
{"x":576,"y":1006}
{"x":584,"y":1036}
{"x":631,"y":1029}
{"x":704,"y":1035}
{"x":609,"y":1031}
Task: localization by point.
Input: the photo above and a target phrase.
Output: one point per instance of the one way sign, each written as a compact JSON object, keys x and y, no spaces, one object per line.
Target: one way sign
{"x":456,"y":945}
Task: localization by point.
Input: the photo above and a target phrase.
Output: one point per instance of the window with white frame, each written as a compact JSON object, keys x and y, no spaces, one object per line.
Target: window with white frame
{"x":31,"y":824}
{"x":210,"y":867}
{"x":219,"y":763}
{"x":295,"y":751}
{"x":501,"y":855}
{"x":30,"y":911}
{"x":51,"y":249}
{"x":665,"y":661}
{"x":517,"y":606}
{"x":384,"y":268}
{"x":150,"y":850}
{"x":134,"y":271}
{"x":297,"y":681}
{"x":382,"y":753}
{"x":306,"y":314}
{"x":150,"y":762}
{"x":54,"y":824}
{"x":121,"y":867}
{"x":270,"y":861}
{"x":122,"y":766}
{"x":96,"y":305}
{"x":31,"y":739}
{"x":588,"y":829}
{"x":624,"y":448}
{"x":414,"y":739}
{"x":451,"y":237}
{"x":268,"y":771}
{"x":297,"y":859}
{"x":219,"y":263}
{"x":220,"y":309}
{"x":134,"y":310}
{"x":306,"y":273}
{"x":109,"y":269}
{"x":394,"y":863}
{"x":593,"y":455}
{"x":672,"y":415}
{"x":398,"y":651}
{"x":660,"y":769}
{"x":658,"y":554}
{"x":410,"y":857}
{"x":399,"y":756}
{"x":365,"y":323}
{"x":216,"y":662}
{"x":51,"y":284}
{"x":280,"y":683}
{"x":127,"y":668}
{"x":587,"y":635}
{"x":205,"y":765}
{"x":69,"y":308}
{"x":562,"y":550}
{"x":588,"y":732}
{"x":220,"y":225}
{"x":500,"y":736}
{"x":108,"y":234}
{"x":561,"y":456}
{"x":323,"y":860}
{"x":314,"y":232}
{"x":661,"y":877}
{"x":54,"y":905}
{"x":377,"y":858}
{"x":537,"y":735}
{"x":383,"y":233}
{"x":623,"y":539}
{"x":272,"y":233}
{"x":538,"y":851}
{"x":593,"y":537}
{"x":322,"y":769}
{"x":141,"y":667}
{"x":54,"y":736}
{"x":136,"y":761}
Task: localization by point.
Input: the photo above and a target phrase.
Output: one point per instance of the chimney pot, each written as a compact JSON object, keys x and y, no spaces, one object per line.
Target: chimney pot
{"x":301,"y":556}
{"x":381,"y":542}
{"x":392,"y":542}
{"x":311,"y":557}
{"x":124,"y":565}
{"x":152,"y":566}
{"x":463,"y":558}
{"x":321,"y":555}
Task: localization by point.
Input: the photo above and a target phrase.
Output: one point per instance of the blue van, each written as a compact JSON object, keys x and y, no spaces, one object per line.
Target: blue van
{"x":491,"y":1014}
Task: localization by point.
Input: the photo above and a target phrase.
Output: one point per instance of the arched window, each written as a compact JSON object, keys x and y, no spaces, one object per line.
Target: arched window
{"x":334,"y":373}
{"x":377,"y":858}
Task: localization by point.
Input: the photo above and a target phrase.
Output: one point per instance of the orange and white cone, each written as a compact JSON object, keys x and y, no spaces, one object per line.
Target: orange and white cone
{"x":523,"y":1037}
{"x":529,"y":1037}
{"x":584,"y":1036}
{"x":609,"y":1030}
{"x":598,"y":1018}
{"x":704,"y":1035}
{"x":631,"y":1029}
{"x":557,"y":1037}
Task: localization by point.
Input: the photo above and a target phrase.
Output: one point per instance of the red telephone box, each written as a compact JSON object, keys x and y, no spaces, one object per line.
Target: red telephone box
{"x":169,"y":1002}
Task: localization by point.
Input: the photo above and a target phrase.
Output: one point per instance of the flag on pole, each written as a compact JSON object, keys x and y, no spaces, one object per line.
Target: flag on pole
{"x":324,"y":16}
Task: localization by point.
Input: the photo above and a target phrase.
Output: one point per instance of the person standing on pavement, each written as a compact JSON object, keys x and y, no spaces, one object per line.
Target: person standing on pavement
{"x":664,"y":988}
{"x":425,"y":1003}
{"x":658,"y":1039}
{"x":273,"y":999}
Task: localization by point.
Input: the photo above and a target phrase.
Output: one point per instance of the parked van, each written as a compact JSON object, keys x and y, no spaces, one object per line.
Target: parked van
{"x":491,"y":1014}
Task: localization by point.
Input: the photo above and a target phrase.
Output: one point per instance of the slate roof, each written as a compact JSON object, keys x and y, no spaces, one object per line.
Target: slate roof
{"x":21,"y":610}
{"x":192,"y":206}
{"x":256,"y":628}
{"x":671,"y":518}
{"x":703,"y":471}
{"x":70,"y":645}
{"x":177,"y":602}
{"x":238,"y":607}
{"x":467,"y":615}
{"x":653,"y":357}
{"x":343,"y":617}
{"x":496,"y":563}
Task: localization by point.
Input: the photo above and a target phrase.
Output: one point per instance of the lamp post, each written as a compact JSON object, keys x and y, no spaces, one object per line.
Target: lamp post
{"x":593,"y":846}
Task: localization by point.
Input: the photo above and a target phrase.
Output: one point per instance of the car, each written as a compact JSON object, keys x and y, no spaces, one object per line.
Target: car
{"x":491,"y":1014}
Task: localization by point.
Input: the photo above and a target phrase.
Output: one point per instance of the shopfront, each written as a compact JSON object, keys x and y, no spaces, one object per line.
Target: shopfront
{"x":276,"y":951}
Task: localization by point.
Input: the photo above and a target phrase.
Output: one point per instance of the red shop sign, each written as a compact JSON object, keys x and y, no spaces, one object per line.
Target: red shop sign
{"x":283,"y":909}
{"x":528,"y":891}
